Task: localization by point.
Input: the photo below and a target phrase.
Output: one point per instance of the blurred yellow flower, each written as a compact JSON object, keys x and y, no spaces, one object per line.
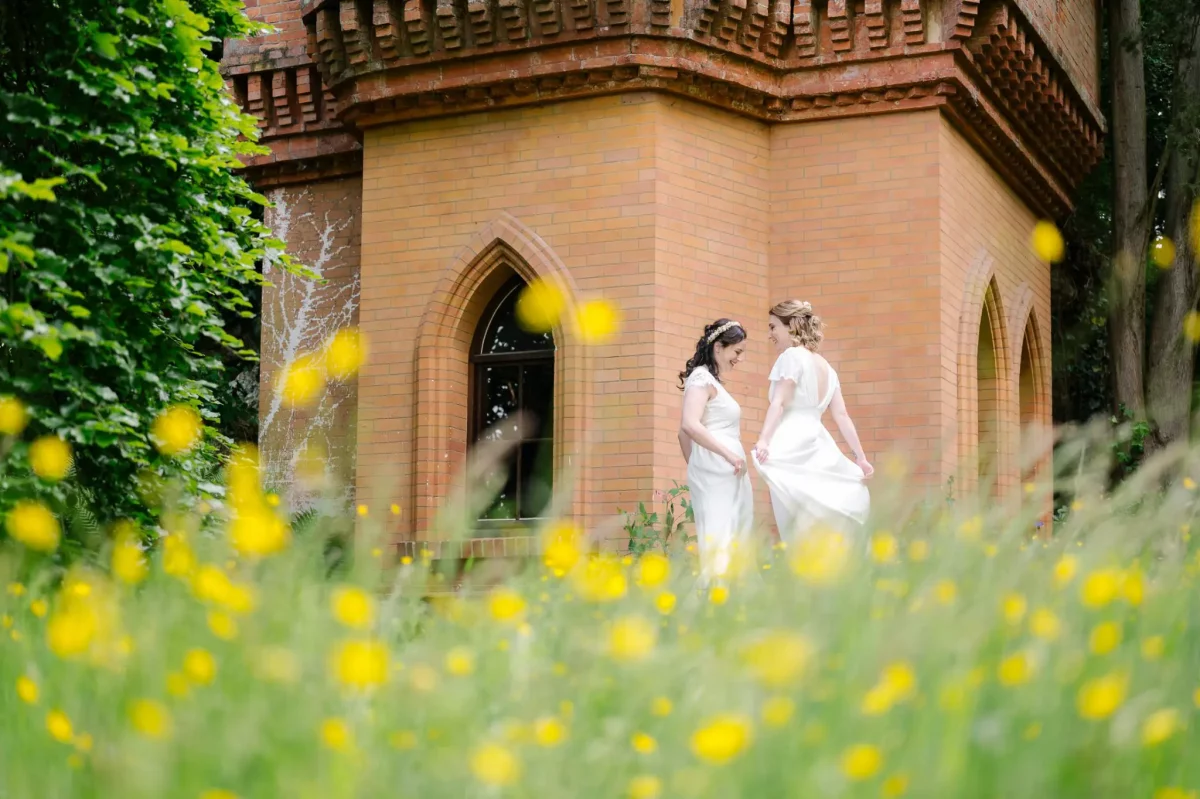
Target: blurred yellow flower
{"x":353,"y":607}
{"x":972,"y":528}
{"x":38,"y":607}
{"x":549,"y":731}
{"x":506,"y":606}
{"x":1016,"y":669}
{"x":778,"y":658}
{"x":423,"y":678}
{"x":861,"y":762}
{"x":200,"y":666}
{"x":1105,"y":637}
{"x":1162,"y":252}
{"x":1153,"y":647}
{"x":460,"y":661}
{"x":1065,"y":569}
{"x":16,"y":589}
{"x":345,"y":353}
{"x":645,"y":786}
{"x":361,"y":510}
{"x":361,"y":664}
{"x":31,"y":522}
{"x":894,"y":786}
{"x":72,"y":628}
{"x":258,"y":531}
{"x":945,"y":591}
{"x":884,"y":547}
{"x":1045,"y":625}
{"x":403,"y":740}
{"x":27,"y":690}
{"x":897,"y":683}
{"x":129,"y":563}
{"x":1014,"y":607}
{"x":178,"y":685}
{"x":777,"y":711}
{"x":653,"y":570}
{"x":918,"y":550}
{"x":222,"y":625}
{"x":495,"y":765}
{"x":178,"y":560}
{"x":1191,"y":326}
{"x":643,"y":743}
{"x":1047,"y":242}
{"x":718,"y":595}
{"x":336,"y":734}
{"x":661,"y":706}
{"x":665,"y":602}
{"x":821,"y":557}
{"x":722,"y":739}
{"x":598,"y":321}
{"x":1175,"y":793}
{"x":1161,"y":725}
{"x":632,"y":639}
{"x":1100,"y":588}
{"x":1099,"y":698}
{"x":601,"y":579}
{"x":50,"y":458}
{"x":217,"y":793}
{"x":1133,"y":587}
{"x":13,"y":416}
{"x":150,"y":718}
{"x":59,"y":726}
{"x":539,"y":306}
{"x":300,"y":382}
{"x":176,"y":430}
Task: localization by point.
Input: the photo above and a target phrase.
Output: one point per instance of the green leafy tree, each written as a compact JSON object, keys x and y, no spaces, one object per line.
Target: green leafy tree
{"x":127,"y":243}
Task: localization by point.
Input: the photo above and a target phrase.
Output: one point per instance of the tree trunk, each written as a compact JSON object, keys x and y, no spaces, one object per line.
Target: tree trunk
{"x":1131,"y":218}
{"x":1172,"y":354}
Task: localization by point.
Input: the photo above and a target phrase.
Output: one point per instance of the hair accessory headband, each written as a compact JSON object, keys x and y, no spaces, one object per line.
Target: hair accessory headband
{"x":713,"y":336}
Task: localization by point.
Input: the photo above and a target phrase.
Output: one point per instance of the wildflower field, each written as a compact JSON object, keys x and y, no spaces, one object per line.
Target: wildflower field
{"x":948,"y":654}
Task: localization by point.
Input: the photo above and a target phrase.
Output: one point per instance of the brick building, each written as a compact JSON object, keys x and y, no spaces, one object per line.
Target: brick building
{"x":685,"y":159}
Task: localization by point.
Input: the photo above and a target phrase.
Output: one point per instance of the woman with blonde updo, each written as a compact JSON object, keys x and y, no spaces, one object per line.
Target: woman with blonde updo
{"x":811,"y":481}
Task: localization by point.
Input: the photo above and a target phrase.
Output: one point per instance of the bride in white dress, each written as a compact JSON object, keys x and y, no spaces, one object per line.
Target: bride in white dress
{"x":811,"y":481}
{"x":710,"y":437}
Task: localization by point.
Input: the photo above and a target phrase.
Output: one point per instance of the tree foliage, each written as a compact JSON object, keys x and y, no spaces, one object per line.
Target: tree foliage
{"x":126,"y":240}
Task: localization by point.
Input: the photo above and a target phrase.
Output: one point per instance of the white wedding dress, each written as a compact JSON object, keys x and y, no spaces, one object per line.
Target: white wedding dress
{"x":811,"y":481}
{"x":722,"y":502}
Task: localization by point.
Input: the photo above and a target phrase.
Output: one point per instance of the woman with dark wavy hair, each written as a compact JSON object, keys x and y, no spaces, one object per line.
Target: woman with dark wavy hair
{"x":711,"y":439}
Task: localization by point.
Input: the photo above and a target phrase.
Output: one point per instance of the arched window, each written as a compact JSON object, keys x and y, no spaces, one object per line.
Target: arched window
{"x":513,"y":375}
{"x":988,"y":377}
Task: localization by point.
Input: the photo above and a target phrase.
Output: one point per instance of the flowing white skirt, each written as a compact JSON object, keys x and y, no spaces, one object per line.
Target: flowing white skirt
{"x":723,"y":505}
{"x":811,"y":481}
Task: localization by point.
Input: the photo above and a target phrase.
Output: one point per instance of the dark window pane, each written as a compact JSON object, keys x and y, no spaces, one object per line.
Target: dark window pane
{"x":504,"y":334}
{"x":499,"y":388}
{"x":538,"y":398}
{"x":536,"y":478}
{"x":504,"y":475}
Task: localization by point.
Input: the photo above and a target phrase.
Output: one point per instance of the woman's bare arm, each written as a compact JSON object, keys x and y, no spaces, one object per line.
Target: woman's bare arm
{"x":694,"y":400}
{"x":784,"y":391}
{"x":845,"y":425}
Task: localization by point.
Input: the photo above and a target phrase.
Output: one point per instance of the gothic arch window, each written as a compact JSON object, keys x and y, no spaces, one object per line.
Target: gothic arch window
{"x":988,"y":394}
{"x":512,"y":397}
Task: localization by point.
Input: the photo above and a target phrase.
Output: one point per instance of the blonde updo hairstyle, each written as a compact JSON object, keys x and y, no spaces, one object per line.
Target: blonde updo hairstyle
{"x":804,"y":326}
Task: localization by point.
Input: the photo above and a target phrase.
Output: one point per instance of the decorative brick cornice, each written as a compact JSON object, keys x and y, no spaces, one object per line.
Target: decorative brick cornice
{"x":384,"y":61}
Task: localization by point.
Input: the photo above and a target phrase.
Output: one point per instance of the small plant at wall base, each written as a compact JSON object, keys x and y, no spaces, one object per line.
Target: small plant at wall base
{"x":647,"y":533}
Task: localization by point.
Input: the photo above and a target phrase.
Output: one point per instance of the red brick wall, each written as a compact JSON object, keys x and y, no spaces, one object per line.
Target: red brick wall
{"x":1071,"y":29}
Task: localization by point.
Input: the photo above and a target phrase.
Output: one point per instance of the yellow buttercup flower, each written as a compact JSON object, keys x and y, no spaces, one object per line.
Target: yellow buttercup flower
{"x":177,"y":430}
{"x":495,"y":765}
{"x":200,"y":666}
{"x":777,"y":711}
{"x":27,"y":690}
{"x":898,"y":683}
{"x":1100,"y":588}
{"x":31,"y":523}
{"x":861,"y":762}
{"x":222,"y":625}
{"x":821,"y":557}
{"x":778,"y":658}
{"x":722,"y":739}
{"x":59,"y":726}
{"x":1161,"y":725}
{"x":1045,"y":625}
{"x":1191,"y":326}
{"x":653,"y":570}
{"x":460,"y":661}
{"x":38,"y":607}
{"x":918,"y":550}
{"x":301,"y":382}
{"x":1015,"y":669}
{"x":661,"y":706}
{"x":258,"y":531}
{"x":13,"y":416}
{"x":645,"y":786}
{"x":665,"y":603}
{"x":1099,"y":698}
{"x":562,"y":548}
{"x":1047,"y":242}
{"x":129,"y":564}
{"x":1133,"y":587}
{"x":50,"y":458}
{"x":718,"y":595}
{"x":643,"y":743}
{"x":598,"y":321}
{"x":217,"y":793}
{"x":361,"y":664}
{"x":884,"y":547}
{"x":507,"y":606}
{"x":345,"y":353}
{"x":1153,"y":647}
{"x":178,"y":560}
{"x":945,"y":591}
{"x":549,"y":732}
{"x":1105,"y":637}
{"x":894,"y":786}
{"x":1014,"y":608}
{"x":353,"y":607}
{"x":150,"y":718}
{"x":601,"y":579}
{"x":1065,"y":569}
{"x":336,"y":734}
{"x":539,"y":306}
{"x":632,"y":639}
{"x":1162,"y":252}
{"x":1171,"y":792}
